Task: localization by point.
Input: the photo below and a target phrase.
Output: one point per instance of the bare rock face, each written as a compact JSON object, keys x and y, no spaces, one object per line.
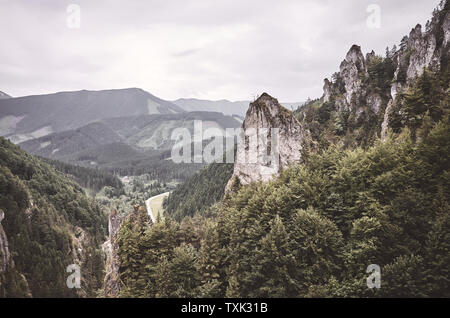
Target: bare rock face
{"x":271,"y":140}
{"x":111,"y":283}
{"x":349,"y":90}
{"x":419,"y":50}
{"x":5,"y":257}
{"x":384,"y":124}
{"x":327,"y":90}
{"x":80,"y":241}
{"x":374,"y":101}
{"x":446,"y":28}
{"x":110,"y":247}
{"x":348,"y":86}
{"x":353,"y":71}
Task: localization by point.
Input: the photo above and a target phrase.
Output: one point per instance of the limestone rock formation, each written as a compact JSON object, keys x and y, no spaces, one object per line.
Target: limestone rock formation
{"x":353,"y":71}
{"x":110,"y":247}
{"x":111,"y":282}
{"x":349,"y":88}
{"x":4,"y":251}
{"x":271,"y":139}
{"x":418,"y":51}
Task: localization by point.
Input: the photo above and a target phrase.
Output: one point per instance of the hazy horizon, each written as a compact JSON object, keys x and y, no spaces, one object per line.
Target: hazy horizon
{"x":192,"y":49}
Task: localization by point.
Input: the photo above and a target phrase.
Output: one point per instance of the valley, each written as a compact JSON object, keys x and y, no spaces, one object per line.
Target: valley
{"x":318,"y":192}
{"x":154,"y":206}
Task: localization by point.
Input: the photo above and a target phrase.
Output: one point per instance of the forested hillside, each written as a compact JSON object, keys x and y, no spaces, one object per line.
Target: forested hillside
{"x":199,"y":192}
{"x":356,"y":178}
{"x":372,"y":188}
{"x":90,"y":178}
{"x":312,"y":231}
{"x":28,"y":117}
{"x":49,"y":223}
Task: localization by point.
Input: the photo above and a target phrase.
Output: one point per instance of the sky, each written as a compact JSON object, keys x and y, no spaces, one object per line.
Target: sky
{"x":207,"y":49}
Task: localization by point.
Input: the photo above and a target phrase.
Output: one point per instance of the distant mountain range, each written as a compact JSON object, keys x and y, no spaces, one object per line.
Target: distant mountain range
{"x":29,"y":117}
{"x":117,"y":128}
{"x":225,"y":106}
{"x":4,"y":95}
{"x":112,"y":140}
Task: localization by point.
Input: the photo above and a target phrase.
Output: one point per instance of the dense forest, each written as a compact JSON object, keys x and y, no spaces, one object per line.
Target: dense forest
{"x":91,"y":178}
{"x":356,"y":199}
{"x":136,"y":190}
{"x":49,"y":224}
{"x":312,"y":232}
{"x":360,"y":195}
{"x":199,"y":192}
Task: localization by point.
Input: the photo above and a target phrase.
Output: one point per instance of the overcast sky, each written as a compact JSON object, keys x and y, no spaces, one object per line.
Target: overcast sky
{"x":209,"y":49}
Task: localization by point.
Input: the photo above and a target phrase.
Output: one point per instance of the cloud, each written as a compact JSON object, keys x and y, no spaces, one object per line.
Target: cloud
{"x":192,"y":48}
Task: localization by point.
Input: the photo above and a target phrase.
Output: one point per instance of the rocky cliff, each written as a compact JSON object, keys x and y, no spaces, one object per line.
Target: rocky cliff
{"x":4,"y":250}
{"x":47,"y":224}
{"x":111,"y":284}
{"x":270,"y":140}
{"x":369,"y":85}
{"x":428,"y":49}
{"x":357,"y":105}
{"x":12,"y":282}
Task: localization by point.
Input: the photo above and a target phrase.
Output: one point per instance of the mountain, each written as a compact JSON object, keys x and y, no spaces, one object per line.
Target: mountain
{"x":90,"y":178}
{"x":57,"y":145}
{"x":125,"y":130}
{"x":366,"y":192}
{"x":128,"y":145}
{"x":225,"y":106}
{"x":370,"y":96}
{"x":282,"y":129}
{"x":24,"y":118}
{"x":123,"y":138}
{"x":199,"y":192}
{"x":4,"y":95}
{"x":47,"y":224}
{"x":155,"y":131}
{"x":366,"y":98}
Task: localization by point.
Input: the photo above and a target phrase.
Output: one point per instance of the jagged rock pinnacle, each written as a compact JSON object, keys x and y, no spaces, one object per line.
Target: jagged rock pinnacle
{"x":279,"y":136}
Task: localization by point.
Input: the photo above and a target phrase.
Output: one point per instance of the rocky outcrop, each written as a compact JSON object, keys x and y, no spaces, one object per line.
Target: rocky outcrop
{"x":80,"y":242}
{"x":446,"y":29}
{"x":353,"y":71}
{"x":357,"y":102}
{"x":349,"y":85}
{"x":5,"y":257}
{"x":111,"y":283}
{"x":418,"y":51}
{"x":421,"y":51}
{"x":350,"y":88}
{"x":7,"y":268}
{"x":271,"y":139}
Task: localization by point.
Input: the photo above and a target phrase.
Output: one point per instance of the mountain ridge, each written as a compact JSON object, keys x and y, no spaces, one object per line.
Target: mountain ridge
{"x":47,"y":223}
{"x":3,"y":95}
{"x":28,"y":117}
{"x":223,"y":105}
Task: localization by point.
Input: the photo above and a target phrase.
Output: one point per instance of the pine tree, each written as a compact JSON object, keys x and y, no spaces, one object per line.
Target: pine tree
{"x":269,"y":273}
{"x":210,"y":261}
